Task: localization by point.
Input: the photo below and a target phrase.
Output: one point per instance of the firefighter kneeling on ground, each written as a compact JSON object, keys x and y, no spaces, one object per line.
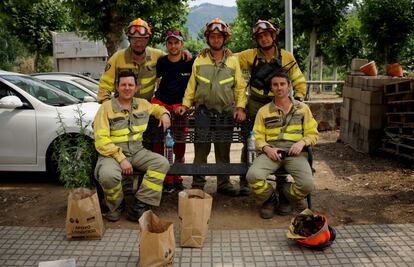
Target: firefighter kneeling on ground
{"x":282,"y":129}
{"x":118,"y":128}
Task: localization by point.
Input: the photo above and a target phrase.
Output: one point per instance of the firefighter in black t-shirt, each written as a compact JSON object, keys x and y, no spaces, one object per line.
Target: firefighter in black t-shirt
{"x":173,"y":73}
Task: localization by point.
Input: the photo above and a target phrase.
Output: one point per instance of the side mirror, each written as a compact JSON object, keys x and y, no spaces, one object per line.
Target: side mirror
{"x":89,"y":99}
{"x":10,"y":102}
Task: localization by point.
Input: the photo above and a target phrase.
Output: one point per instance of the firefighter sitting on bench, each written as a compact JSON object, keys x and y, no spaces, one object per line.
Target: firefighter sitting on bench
{"x":282,"y":129}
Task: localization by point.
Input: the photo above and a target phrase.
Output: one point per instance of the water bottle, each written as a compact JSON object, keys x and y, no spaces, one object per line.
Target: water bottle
{"x":168,"y":147}
{"x":251,"y":148}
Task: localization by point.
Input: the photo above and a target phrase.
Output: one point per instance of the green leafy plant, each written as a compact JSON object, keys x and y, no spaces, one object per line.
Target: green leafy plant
{"x":74,"y":154}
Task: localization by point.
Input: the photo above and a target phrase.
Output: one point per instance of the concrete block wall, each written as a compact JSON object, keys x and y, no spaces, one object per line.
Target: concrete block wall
{"x":363,"y":112}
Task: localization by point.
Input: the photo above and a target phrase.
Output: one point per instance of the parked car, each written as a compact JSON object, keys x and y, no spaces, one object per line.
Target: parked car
{"x":29,"y":111}
{"x":79,"y":86}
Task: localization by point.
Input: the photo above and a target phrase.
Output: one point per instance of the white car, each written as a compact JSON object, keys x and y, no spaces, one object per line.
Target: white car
{"x":28,"y":117}
{"x":76,"y":85}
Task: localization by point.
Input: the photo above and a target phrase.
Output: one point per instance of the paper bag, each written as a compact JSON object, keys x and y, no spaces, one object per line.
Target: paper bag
{"x":156,"y":241}
{"x":84,"y":218}
{"x":194,"y":210}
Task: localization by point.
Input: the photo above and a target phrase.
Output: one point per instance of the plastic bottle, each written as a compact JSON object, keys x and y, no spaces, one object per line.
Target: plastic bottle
{"x":251,"y":148}
{"x":168,"y":147}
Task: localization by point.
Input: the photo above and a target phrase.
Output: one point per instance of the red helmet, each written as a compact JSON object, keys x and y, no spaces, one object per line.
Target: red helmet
{"x":217,"y":25}
{"x":139,"y":28}
{"x":311,"y":231}
{"x":264,"y":26}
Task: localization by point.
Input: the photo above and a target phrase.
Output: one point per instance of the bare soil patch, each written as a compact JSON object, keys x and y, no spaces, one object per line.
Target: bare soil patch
{"x":351,"y":188}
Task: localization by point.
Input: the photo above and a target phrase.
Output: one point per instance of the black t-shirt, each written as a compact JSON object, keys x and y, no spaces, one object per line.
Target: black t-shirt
{"x":174,"y":79}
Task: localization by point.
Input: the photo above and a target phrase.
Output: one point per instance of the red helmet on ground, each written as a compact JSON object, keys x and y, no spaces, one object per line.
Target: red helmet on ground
{"x":217,"y":25}
{"x":264,"y":26}
{"x":311,"y":230}
{"x":139,"y":28}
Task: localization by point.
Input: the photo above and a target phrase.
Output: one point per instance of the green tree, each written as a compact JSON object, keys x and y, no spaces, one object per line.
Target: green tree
{"x":10,"y":49}
{"x":317,"y":19}
{"x":32,"y":21}
{"x":343,"y":44}
{"x":106,"y":20}
{"x":387,"y":25}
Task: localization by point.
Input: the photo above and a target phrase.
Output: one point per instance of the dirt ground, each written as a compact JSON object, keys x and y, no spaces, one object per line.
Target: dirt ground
{"x":351,"y":188}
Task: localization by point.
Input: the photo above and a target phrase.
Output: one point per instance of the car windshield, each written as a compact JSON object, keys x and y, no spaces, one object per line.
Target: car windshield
{"x":41,"y":91}
{"x":90,"y":85}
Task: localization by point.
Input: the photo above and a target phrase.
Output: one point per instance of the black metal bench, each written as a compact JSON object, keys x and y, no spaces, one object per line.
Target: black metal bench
{"x":204,"y":127}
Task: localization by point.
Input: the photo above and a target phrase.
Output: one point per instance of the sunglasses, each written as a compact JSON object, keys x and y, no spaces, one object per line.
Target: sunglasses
{"x":176,"y":33}
{"x":140,"y":30}
{"x":216,"y":26}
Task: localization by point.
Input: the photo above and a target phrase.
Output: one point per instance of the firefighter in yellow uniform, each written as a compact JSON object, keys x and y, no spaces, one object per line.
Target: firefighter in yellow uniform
{"x":118,"y":128}
{"x":259,"y":61}
{"x":216,"y":86}
{"x":138,"y":57}
{"x":282,"y":128}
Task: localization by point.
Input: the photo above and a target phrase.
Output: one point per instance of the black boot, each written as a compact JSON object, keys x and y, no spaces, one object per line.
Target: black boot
{"x":284,"y":207}
{"x":268,"y":207}
{"x":135,"y":211}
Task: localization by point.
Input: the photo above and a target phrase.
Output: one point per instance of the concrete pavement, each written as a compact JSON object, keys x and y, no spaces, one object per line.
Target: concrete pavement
{"x":355,"y":245}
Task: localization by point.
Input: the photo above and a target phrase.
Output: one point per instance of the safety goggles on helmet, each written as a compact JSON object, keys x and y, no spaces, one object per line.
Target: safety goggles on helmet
{"x":137,"y":30}
{"x":216,"y":26}
{"x":262,"y":26}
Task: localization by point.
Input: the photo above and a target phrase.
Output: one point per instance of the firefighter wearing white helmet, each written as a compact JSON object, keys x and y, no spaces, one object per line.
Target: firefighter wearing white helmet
{"x":267,"y":56}
{"x":216,"y":86}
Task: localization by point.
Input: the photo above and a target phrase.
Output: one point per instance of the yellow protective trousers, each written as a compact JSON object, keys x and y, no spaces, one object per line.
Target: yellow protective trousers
{"x":108,"y":173}
{"x":297,"y":166}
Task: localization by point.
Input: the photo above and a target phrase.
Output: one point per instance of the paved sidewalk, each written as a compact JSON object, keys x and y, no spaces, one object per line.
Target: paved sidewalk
{"x":355,"y":245}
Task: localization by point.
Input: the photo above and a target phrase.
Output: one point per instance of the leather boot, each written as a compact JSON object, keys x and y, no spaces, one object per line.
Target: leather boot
{"x":135,"y":212}
{"x":268,"y":207}
{"x":228,"y":189}
{"x":115,"y":215}
{"x":284,"y":207}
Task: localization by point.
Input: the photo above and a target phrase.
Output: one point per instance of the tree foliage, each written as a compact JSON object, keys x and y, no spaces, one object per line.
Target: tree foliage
{"x":387,"y":25}
{"x":106,"y":19}
{"x":344,"y":43}
{"x":32,"y":21}
{"x":10,"y":49}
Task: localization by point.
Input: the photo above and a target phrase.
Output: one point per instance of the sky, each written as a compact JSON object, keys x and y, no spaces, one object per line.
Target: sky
{"x":216,"y":2}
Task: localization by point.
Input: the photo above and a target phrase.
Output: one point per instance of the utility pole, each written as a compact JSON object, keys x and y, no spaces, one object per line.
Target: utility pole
{"x":288,"y":26}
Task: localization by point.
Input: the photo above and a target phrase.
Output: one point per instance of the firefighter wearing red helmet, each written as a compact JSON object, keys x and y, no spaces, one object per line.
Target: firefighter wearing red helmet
{"x":216,"y":86}
{"x":267,"y":56}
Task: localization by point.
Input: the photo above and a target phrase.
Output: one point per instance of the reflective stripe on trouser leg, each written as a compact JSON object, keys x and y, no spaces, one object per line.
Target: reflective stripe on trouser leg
{"x":261,"y":168}
{"x":155,"y":167}
{"x":301,"y":172}
{"x":108,"y":174}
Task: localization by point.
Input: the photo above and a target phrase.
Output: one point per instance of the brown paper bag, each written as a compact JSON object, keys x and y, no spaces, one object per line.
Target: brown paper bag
{"x":84,"y":218}
{"x":156,"y":241}
{"x":194,"y":210}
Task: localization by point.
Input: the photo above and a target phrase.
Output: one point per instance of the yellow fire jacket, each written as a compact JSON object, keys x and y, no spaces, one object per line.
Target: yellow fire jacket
{"x":122,"y":60}
{"x":298,"y":124}
{"x":246,"y":59}
{"x":217,"y":86}
{"x":118,"y":132}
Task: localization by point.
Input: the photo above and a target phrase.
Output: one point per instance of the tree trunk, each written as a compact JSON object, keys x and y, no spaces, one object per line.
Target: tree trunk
{"x":311,"y":59}
{"x":113,"y":37}
{"x":335,"y":76}
{"x":320,"y":73}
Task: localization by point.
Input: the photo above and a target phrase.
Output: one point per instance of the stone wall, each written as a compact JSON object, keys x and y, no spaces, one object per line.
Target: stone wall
{"x":326,"y":113}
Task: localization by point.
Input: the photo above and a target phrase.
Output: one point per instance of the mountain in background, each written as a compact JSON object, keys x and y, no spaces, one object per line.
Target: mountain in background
{"x":200,"y":15}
